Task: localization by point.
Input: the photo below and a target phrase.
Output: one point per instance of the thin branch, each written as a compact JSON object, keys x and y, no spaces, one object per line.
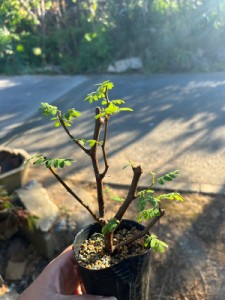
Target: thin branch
{"x":70,"y":135}
{"x":106,"y":96}
{"x":144,"y":232}
{"x":69,"y":190}
{"x":106,"y":122}
{"x":98,"y":124}
{"x":95,"y":163}
{"x":137,"y":171}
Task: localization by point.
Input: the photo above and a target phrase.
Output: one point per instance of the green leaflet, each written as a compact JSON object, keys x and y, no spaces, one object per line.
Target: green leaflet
{"x":72,"y":114}
{"x":91,"y":143}
{"x":112,"y":109}
{"x":110,"y":226}
{"x":153,"y":242}
{"x":67,"y":118}
{"x":146,"y":196}
{"x":168,"y":177}
{"x":116,"y":101}
{"x":106,"y":84}
{"x":171,"y":196}
{"x":48,"y":110}
{"x":118,"y":199}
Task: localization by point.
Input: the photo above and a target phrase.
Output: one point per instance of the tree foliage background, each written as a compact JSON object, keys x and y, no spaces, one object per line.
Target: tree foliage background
{"x":86,"y":35}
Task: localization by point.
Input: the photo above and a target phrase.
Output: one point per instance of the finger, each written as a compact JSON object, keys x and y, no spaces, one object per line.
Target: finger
{"x":78,"y":290}
{"x":67,"y":256}
{"x":62,"y":273}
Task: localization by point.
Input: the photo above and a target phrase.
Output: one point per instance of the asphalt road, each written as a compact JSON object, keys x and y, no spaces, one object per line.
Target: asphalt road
{"x":21,"y":95}
{"x":178,"y":123}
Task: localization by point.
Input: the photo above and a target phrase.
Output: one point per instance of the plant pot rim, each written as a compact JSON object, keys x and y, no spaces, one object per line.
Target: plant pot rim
{"x":15,"y":151}
{"x":116,"y":264}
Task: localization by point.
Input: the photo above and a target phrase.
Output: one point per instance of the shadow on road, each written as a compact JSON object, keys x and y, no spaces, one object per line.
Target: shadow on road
{"x":175,"y":113}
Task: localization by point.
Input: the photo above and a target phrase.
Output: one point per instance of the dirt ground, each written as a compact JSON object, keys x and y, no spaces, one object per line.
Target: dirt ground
{"x":193,"y":267}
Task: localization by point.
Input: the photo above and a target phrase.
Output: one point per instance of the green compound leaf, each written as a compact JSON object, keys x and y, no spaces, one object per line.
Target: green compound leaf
{"x":118,"y":199}
{"x":47,"y":109}
{"x":148,"y":214}
{"x":91,"y":143}
{"x":94,"y":96}
{"x":168,"y":177}
{"x":146,"y":197}
{"x":116,"y":101}
{"x":105,"y":84}
{"x":171,"y":196}
{"x":39,"y":159}
{"x":153,"y":242}
{"x":100,"y":93}
{"x":110,"y":226}
{"x":111,"y":110}
{"x":69,"y":116}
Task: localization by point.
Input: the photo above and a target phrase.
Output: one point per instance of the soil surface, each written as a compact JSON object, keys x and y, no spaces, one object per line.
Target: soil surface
{"x":193,"y":267}
{"x":92,"y":254}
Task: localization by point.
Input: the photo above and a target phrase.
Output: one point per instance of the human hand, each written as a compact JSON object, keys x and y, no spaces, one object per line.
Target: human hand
{"x":60,"y":280}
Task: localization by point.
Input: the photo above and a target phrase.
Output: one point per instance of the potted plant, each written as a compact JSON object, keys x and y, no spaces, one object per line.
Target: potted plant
{"x":114,"y":254}
{"x":13,"y":171}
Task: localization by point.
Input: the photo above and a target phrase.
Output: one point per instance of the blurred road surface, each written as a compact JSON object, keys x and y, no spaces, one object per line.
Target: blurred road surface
{"x":178,"y":123}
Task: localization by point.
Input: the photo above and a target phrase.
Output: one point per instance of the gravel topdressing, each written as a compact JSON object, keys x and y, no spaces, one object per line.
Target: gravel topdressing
{"x":92,"y":255}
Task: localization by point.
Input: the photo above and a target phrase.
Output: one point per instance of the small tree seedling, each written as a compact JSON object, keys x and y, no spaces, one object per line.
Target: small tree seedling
{"x":149,"y":205}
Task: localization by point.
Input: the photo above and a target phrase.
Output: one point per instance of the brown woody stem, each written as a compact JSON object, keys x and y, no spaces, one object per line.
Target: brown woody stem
{"x":106,"y":122}
{"x":108,"y":240}
{"x":142,"y":233}
{"x":70,"y":135}
{"x":95,"y":163}
{"x":137,"y":171}
{"x":74,"y":194}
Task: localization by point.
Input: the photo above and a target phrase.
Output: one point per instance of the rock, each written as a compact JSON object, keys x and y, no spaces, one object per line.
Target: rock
{"x":52,"y":242}
{"x":15,"y":270}
{"x":53,"y":231}
{"x":44,"y":242}
{"x":36,"y":200}
{"x":120,"y":66}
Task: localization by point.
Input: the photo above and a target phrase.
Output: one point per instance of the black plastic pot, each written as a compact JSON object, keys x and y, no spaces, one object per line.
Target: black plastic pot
{"x":127,"y":280}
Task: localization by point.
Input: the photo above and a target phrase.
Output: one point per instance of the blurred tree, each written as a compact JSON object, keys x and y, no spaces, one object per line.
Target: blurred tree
{"x":86,"y":35}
